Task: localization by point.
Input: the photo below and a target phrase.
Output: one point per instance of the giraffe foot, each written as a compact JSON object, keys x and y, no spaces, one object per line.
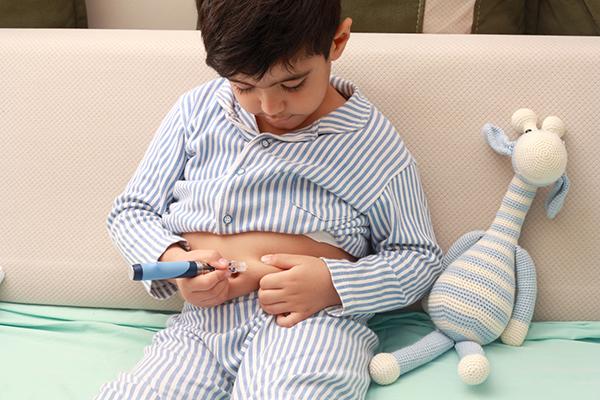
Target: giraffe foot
{"x":473,"y":369}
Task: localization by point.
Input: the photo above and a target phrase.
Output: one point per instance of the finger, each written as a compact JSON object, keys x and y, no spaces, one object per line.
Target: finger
{"x":271,"y":296}
{"x":211,"y":257}
{"x":213,"y":296}
{"x":272,"y":281}
{"x":221,"y":263}
{"x":205,"y":255}
{"x":278,"y":308}
{"x":291,"y":319}
{"x":283,"y":260}
{"x":206,"y":282}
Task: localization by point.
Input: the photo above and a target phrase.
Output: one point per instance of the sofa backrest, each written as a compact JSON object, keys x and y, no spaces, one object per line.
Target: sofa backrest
{"x":79,"y":108}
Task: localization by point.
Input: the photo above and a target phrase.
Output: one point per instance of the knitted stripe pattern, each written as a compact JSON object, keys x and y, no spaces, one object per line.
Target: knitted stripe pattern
{"x":425,"y":350}
{"x":474,"y":298}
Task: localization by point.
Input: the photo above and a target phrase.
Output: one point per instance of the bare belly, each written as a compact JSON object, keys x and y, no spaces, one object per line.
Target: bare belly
{"x":251,"y":246}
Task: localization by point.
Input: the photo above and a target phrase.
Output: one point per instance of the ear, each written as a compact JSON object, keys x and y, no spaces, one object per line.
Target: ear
{"x":498,"y":140}
{"x":340,"y":39}
{"x":556,"y":197}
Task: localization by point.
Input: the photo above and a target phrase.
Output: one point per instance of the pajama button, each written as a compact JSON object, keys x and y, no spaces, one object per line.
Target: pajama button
{"x":241,"y":171}
{"x":227,"y":219}
{"x":265,"y":143}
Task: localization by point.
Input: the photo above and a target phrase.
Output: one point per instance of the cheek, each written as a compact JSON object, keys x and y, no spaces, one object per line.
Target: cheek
{"x":249,"y":103}
{"x":306,"y":102}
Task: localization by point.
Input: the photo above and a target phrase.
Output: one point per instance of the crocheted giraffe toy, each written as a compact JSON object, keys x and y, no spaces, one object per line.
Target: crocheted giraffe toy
{"x":487,"y":289}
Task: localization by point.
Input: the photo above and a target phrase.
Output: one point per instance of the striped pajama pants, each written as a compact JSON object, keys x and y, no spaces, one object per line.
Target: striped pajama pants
{"x":237,"y":351}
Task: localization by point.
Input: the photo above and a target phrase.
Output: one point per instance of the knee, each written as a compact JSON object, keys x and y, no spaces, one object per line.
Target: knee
{"x":126,"y":388}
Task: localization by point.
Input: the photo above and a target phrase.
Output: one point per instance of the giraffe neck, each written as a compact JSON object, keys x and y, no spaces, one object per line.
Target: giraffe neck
{"x":511,"y":215}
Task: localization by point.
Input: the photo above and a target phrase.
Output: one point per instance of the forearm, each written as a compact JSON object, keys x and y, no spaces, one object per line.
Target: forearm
{"x":139,"y":236}
{"x":384,"y":273}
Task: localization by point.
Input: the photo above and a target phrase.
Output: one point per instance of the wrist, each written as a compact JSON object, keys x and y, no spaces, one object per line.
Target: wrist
{"x":173,"y":253}
{"x":333,"y":297}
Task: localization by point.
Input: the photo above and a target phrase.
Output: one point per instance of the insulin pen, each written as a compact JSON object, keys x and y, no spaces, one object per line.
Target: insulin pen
{"x":177,"y":269}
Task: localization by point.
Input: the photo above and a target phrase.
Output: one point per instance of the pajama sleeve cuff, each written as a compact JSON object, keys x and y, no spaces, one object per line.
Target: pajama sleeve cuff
{"x":337,"y":269}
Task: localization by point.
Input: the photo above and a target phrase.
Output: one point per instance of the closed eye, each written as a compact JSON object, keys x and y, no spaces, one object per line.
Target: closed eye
{"x":244,"y":90}
{"x":295,"y":88}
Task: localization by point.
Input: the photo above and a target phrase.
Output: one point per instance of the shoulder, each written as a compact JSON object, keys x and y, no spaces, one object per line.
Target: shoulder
{"x":200,"y":101}
{"x":201,"y":96}
{"x":386,"y":150}
{"x":380,"y":137}
{"x":372,"y":156}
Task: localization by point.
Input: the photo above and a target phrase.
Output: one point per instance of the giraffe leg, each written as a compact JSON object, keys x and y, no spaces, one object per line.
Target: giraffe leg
{"x":385,"y":368}
{"x":473,"y":367}
{"x":515,"y":332}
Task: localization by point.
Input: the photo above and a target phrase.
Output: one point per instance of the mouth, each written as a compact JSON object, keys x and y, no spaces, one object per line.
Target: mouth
{"x":277,"y":119}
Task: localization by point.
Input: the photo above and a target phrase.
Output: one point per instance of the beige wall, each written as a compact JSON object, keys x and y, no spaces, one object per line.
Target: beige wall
{"x":141,"y":14}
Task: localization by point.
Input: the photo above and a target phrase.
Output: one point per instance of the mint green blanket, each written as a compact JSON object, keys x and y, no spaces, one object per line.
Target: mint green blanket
{"x":50,"y":352}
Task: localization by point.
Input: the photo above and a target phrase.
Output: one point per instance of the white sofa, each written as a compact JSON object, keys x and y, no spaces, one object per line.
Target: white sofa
{"x":78,"y":109}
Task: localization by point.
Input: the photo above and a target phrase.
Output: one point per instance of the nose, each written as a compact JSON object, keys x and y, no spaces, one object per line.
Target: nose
{"x":272,"y":103}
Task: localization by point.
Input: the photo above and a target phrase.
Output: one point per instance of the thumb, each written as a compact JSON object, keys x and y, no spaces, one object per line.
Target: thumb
{"x":282,"y":260}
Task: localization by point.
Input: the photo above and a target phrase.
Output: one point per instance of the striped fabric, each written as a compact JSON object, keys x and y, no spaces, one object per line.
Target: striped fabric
{"x":209,"y":169}
{"x":236,"y":351}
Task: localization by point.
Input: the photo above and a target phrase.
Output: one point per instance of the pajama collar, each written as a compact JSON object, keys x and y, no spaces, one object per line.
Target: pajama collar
{"x":350,"y":117}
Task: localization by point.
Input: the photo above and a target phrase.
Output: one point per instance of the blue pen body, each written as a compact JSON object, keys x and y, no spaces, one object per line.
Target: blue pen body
{"x":167,"y":270}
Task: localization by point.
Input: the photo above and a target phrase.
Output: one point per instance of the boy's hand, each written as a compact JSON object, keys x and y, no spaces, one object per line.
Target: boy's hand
{"x":206,"y":290}
{"x":303,"y":289}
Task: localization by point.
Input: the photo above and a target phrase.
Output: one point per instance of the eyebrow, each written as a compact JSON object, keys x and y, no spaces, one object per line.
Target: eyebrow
{"x":289,"y":78}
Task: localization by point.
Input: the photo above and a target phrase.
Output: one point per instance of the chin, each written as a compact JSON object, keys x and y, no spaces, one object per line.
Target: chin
{"x":301,"y":122}
{"x":291,"y":124}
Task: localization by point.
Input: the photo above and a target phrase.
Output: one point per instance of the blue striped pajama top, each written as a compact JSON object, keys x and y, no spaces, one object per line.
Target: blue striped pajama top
{"x":209,"y":169}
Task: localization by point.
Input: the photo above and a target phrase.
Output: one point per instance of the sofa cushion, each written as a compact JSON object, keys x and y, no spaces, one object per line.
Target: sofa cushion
{"x":43,"y":14}
{"x":499,"y":17}
{"x":76,"y":124}
{"x":436,"y":16}
{"x":384,"y":15}
{"x":541,"y":17}
{"x":558,"y":17}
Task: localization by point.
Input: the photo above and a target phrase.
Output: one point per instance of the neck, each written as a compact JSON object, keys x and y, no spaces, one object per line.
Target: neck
{"x":511,"y":215}
{"x":332,"y":101}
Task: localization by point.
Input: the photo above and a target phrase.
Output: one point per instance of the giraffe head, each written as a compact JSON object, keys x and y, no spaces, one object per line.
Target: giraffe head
{"x":539,"y":156}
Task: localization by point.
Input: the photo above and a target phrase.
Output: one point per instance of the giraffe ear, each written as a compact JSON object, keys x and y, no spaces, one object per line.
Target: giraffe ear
{"x":556,"y":197}
{"x":498,"y":140}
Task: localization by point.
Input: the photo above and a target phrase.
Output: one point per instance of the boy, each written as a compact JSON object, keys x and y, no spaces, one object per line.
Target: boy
{"x":278,"y":159}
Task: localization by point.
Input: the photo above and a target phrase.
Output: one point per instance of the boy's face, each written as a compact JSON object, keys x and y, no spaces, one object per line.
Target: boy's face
{"x":285,"y":99}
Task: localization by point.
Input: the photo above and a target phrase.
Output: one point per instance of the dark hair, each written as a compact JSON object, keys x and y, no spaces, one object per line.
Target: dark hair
{"x":250,"y":36}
